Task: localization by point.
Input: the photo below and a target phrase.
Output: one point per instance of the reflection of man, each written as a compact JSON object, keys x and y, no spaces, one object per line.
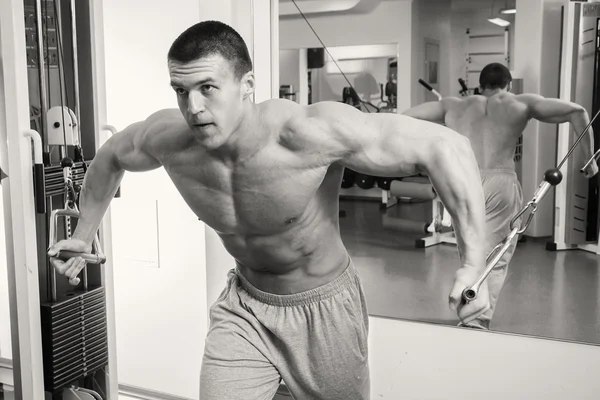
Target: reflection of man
{"x":493,"y":122}
{"x":266,"y":177}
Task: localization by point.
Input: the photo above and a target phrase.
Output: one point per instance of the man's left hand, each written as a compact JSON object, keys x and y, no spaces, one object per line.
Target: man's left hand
{"x":467,"y":312}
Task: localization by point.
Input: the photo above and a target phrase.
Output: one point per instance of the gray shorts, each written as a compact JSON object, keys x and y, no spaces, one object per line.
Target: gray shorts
{"x":503,"y":200}
{"x":316,"y":341}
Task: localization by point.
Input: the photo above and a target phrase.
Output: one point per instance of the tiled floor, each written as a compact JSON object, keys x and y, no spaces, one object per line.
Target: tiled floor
{"x":549,"y":294}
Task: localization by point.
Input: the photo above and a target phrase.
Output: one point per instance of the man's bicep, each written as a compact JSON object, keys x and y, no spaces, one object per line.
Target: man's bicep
{"x":398,"y":146}
{"x":379,"y":144}
{"x":554,"y":111}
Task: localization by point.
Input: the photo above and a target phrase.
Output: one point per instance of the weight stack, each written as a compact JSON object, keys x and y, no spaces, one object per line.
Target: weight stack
{"x":74,"y":337}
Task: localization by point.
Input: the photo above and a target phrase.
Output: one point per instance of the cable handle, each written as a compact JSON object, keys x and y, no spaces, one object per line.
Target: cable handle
{"x":96,"y":257}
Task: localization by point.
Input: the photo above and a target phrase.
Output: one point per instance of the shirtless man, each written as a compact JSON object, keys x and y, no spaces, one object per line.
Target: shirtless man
{"x":493,"y":122}
{"x":266,"y":177}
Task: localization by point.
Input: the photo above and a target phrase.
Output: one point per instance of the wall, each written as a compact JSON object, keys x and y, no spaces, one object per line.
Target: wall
{"x":537,"y":37}
{"x":412,"y":360}
{"x":289,"y":69}
{"x":390,"y":22}
{"x":549,"y":86}
{"x":5,"y":340}
{"x":465,"y":17}
{"x":161,"y":316}
{"x":431,"y":20}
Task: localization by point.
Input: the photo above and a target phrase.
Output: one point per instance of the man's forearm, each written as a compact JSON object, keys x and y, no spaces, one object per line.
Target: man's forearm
{"x":454,"y":173}
{"x":579,"y":120}
{"x":99,"y":187}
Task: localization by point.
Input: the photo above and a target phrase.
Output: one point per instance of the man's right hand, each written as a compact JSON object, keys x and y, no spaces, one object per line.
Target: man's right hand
{"x":73,"y":266}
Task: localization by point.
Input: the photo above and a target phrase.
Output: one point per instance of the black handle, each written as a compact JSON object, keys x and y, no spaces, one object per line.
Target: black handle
{"x":39,"y":188}
{"x":463,"y":85}
{"x":422,"y":82}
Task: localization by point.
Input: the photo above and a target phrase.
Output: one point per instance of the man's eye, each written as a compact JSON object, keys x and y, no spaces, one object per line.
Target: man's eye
{"x":207,"y":88}
{"x":181,"y":92}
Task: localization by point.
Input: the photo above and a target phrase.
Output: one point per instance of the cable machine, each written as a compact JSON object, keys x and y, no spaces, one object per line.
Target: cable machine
{"x":62,"y":125}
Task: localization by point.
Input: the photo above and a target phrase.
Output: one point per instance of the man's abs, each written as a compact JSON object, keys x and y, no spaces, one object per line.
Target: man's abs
{"x":493,"y":126}
{"x":278,"y":220}
{"x":302,"y":258}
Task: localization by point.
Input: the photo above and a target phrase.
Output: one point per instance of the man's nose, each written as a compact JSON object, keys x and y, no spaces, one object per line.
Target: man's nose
{"x":195,"y":103}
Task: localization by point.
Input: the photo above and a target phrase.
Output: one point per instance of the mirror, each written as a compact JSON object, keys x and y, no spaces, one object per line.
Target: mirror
{"x":363,"y":76}
{"x":406,"y":259}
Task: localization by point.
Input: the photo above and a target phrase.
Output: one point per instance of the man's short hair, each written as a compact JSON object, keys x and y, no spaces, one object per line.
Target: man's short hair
{"x":209,"y":38}
{"x":494,"y":76}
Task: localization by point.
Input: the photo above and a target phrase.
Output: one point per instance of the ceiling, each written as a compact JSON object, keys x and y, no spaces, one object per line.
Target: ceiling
{"x":287,"y":9}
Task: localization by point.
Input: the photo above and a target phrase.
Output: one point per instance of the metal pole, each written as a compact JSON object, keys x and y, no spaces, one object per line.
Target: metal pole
{"x":50,"y":270}
{"x":41,"y":63}
{"x":75,"y":69}
{"x":63,"y":150}
{"x":506,"y":33}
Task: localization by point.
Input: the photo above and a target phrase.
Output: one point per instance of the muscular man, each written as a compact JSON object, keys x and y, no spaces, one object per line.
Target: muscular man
{"x":266,"y":178}
{"x":493,"y":122}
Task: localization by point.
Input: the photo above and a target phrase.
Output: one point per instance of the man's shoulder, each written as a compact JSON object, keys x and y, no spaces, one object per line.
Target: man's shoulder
{"x":289,"y":116}
{"x":166,"y":119}
{"x":453,"y":103}
{"x":517,"y":104}
{"x":278,"y":111}
{"x":165,"y":130}
{"x":306,"y":127}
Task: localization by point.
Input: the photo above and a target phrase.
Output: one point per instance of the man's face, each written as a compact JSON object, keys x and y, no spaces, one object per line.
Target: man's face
{"x":210,"y":97}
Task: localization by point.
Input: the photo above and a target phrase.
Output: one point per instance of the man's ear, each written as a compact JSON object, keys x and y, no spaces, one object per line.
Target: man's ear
{"x":248,"y":84}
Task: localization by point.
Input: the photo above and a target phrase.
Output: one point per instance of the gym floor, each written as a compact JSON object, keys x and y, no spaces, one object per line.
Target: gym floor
{"x":548,"y":294}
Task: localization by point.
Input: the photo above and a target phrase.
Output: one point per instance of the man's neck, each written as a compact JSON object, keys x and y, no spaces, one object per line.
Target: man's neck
{"x":490,"y":92}
{"x":248,"y":137}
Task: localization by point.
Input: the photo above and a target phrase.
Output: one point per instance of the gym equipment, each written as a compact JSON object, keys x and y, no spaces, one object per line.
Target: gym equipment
{"x":348,"y":178}
{"x":96,"y":257}
{"x":77,"y":393}
{"x":405,"y":225}
{"x":364,"y":181}
{"x":74,"y":333}
{"x":62,"y":127}
{"x":423,"y":191}
{"x":552,"y":177}
{"x":432,"y":90}
{"x":287,"y":92}
{"x":420,"y":188}
{"x":65,"y":322}
{"x":465,"y":90}
{"x":577,"y":201}
{"x":74,"y":337}
{"x":383,"y":183}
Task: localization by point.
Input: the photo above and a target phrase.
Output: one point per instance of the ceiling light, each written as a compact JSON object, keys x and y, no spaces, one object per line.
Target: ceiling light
{"x":499,"y":21}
